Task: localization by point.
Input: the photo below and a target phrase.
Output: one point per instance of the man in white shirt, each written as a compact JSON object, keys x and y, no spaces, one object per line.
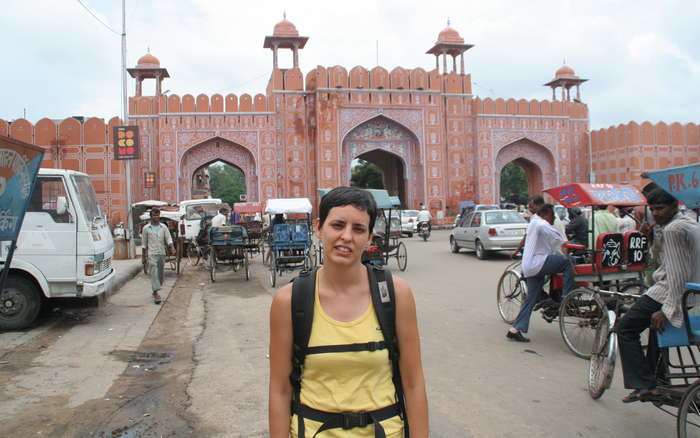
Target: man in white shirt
{"x":626,"y":223}
{"x":540,"y":259}
{"x":221,"y":218}
{"x":425,"y":216}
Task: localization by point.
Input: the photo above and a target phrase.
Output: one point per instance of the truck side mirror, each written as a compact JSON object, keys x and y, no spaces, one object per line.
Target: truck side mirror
{"x":61,"y":205}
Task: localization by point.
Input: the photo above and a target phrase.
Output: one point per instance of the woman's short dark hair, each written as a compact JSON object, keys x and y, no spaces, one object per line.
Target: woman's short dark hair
{"x":660,"y":196}
{"x":342,"y":196}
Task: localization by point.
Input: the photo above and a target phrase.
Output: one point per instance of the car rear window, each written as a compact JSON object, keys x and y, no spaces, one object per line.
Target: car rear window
{"x":410,"y":213}
{"x":504,"y":217}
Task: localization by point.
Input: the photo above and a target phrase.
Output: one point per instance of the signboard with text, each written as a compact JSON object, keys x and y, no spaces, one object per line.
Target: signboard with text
{"x":19,"y":165}
{"x":682,"y":182}
{"x":577,"y":195}
{"x":126,"y":142}
{"x":149,"y":180}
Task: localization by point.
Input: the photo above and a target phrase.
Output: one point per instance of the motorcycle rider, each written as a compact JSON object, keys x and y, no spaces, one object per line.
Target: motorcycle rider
{"x":424,"y":216}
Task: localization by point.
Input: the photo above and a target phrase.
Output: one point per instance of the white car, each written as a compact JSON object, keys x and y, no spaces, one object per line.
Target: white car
{"x":408,"y":222}
{"x":488,"y":230}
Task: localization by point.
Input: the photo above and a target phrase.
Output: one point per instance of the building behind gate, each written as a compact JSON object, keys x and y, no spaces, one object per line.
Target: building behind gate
{"x":435,"y":141}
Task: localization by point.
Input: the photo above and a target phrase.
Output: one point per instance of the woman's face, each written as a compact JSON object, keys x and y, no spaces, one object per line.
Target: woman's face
{"x":345,"y":234}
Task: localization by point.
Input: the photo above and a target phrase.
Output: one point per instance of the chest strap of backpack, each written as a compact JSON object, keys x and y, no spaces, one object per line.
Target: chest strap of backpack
{"x":383,"y":300}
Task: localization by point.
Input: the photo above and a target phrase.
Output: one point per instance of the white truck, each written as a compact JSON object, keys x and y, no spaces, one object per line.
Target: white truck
{"x":64,"y":248}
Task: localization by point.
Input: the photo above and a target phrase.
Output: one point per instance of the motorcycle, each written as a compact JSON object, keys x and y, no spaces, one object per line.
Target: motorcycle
{"x":424,"y":230}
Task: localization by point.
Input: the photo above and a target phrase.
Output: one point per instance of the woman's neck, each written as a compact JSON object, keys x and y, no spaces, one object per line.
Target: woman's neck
{"x":341,"y":278}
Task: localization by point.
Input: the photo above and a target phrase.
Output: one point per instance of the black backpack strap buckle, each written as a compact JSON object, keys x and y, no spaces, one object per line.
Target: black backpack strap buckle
{"x":355,"y":419}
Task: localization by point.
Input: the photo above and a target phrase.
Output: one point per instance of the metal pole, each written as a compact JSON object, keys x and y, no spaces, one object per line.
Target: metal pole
{"x":127,"y":163}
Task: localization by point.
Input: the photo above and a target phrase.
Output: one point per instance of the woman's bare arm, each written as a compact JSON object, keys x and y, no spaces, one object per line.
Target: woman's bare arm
{"x":281,"y":339}
{"x":410,"y":360}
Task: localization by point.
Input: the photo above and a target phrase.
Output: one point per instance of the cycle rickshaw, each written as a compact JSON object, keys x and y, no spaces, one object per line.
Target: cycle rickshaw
{"x":679,"y":347}
{"x":227,"y":248}
{"x":251,"y":219}
{"x":386,"y":234}
{"x":290,"y":243}
{"x":616,"y":260}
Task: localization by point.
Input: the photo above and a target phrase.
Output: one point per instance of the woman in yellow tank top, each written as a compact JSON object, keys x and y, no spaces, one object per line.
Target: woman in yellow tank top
{"x":357,"y":382}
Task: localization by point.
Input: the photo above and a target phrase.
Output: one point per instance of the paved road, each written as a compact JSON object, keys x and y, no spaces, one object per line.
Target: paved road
{"x":198,"y":365}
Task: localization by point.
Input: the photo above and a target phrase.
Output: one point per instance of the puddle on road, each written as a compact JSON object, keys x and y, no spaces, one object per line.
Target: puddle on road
{"x":142,"y":362}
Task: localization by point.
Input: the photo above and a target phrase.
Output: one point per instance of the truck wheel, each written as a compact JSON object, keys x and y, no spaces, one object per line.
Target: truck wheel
{"x":20,"y":303}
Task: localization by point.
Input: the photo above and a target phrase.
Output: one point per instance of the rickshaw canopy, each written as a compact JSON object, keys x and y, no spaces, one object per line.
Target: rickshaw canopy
{"x":395,"y":201}
{"x":288,"y":205}
{"x":577,"y":195}
{"x":683,"y":182}
{"x":247,"y":207}
{"x":381,"y":197}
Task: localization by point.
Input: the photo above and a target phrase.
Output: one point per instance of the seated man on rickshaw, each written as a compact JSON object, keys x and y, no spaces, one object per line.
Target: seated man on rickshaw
{"x":661,"y":304}
{"x":541,"y":258}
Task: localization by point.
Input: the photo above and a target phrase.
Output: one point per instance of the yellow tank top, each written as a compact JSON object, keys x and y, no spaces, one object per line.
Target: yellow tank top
{"x":353,"y":381}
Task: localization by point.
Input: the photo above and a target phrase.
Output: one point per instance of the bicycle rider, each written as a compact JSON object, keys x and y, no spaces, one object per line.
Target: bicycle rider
{"x":540,"y":259}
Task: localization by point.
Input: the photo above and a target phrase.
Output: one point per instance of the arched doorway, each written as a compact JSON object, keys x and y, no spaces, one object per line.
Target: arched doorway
{"x":205,"y":154}
{"x":535,"y":160}
{"x":394,"y":150}
{"x":517,"y":181}
{"x":219,"y":180}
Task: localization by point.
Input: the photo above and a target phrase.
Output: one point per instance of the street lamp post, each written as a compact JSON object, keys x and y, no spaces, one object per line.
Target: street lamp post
{"x":127,"y":163}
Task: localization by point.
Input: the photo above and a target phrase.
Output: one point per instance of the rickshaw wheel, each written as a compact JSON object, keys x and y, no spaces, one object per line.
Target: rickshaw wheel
{"x":581,"y":314}
{"x":510,"y":295}
{"x":601,"y":366}
{"x":401,"y":256}
{"x":212,"y":266}
{"x":689,"y":412}
{"x":272,"y":271}
{"x":247,"y":267}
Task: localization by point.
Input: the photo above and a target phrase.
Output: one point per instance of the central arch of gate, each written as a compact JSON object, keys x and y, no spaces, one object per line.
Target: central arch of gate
{"x":536,"y":160}
{"x":213,"y":150}
{"x":394,"y":149}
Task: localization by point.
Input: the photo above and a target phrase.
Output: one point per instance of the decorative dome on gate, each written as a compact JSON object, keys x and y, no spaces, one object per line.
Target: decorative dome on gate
{"x":449,"y":36}
{"x":148,"y":61}
{"x":565,"y":72}
{"x":285,"y":28}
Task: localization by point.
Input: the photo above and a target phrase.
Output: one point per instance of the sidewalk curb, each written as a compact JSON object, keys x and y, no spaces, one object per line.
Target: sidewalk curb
{"x":122,"y":275}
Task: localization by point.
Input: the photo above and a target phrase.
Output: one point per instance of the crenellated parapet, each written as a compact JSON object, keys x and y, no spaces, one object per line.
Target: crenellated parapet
{"x":622,"y":153}
{"x":534,"y":107}
{"x":379,"y":78}
{"x":78,"y":144}
{"x":202,"y":103}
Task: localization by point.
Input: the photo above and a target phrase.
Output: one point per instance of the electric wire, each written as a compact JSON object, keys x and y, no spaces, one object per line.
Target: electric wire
{"x":98,"y":18}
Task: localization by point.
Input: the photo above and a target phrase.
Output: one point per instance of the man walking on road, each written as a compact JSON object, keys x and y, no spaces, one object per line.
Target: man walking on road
{"x":156,"y":243}
{"x":540,"y":259}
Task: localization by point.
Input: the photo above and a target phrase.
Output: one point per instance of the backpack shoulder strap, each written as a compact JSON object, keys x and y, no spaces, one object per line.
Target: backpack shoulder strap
{"x":303,"y":294}
{"x":384,"y":302}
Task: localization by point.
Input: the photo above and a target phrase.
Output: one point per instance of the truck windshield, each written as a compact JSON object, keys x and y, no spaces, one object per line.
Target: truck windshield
{"x":87,"y":197}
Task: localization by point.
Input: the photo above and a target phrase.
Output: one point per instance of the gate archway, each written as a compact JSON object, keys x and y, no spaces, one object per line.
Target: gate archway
{"x":394,"y":149}
{"x":536,"y":160}
{"x":211,"y":151}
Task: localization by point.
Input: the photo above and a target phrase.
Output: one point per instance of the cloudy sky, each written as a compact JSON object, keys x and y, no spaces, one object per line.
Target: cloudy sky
{"x":642,"y":58}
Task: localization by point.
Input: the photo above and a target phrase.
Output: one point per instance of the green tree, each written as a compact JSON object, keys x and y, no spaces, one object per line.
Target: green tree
{"x":514,"y":184}
{"x":366,"y":175}
{"x":226,"y":182}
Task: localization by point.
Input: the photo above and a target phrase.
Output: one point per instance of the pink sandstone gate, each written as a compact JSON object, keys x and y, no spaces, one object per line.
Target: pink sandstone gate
{"x":536,"y":160}
{"x":395,"y":142}
{"x":211,"y":151}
